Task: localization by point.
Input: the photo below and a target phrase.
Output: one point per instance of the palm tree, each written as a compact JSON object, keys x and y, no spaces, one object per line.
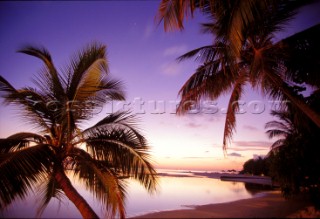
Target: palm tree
{"x":101,"y":156}
{"x":231,"y":17}
{"x":281,"y":129}
{"x":260,"y":62}
{"x":291,"y":123}
{"x":293,"y":159}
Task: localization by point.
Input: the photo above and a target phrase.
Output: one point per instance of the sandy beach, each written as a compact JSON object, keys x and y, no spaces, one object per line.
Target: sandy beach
{"x":268,"y":204}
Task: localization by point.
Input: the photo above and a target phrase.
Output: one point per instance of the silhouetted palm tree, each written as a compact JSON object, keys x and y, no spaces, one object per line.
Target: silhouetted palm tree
{"x":231,"y":17}
{"x":293,"y":159}
{"x":260,"y":62}
{"x":101,"y":156}
{"x":281,"y":128}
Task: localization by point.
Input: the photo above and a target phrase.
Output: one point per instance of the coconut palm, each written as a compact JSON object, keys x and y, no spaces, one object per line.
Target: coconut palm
{"x":263,"y":65}
{"x":282,"y":128}
{"x":173,"y":13}
{"x":293,"y":158}
{"x":261,"y":62}
{"x":101,"y":156}
{"x":291,"y":123}
{"x":231,"y":18}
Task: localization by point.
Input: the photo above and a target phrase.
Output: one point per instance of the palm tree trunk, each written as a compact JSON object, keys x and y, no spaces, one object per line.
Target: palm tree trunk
{"x":315,"y":117}
{"x":82,"y":205}
{"x":309,"y":112}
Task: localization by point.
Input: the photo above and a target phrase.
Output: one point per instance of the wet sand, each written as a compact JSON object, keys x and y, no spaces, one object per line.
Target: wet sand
{"x":269,"y":204}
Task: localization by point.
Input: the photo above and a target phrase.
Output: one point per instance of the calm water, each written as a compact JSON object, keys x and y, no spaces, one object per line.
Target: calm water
{"x":174,"y":193}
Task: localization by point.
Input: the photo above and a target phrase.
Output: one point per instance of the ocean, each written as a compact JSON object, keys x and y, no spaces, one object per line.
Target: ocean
{"x":177,"y":190}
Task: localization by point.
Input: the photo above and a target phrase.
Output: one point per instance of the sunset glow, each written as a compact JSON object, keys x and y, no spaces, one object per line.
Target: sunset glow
{"x":143,"y":56}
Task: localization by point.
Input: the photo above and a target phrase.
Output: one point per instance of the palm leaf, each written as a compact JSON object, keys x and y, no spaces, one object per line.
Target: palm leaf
{"x":241,"y":14}
{"x":233,"y":108}
{"x":33,"y":103}
{"x":125,"y":152}
{"x":107,"y":90}
{"x":213,"y":78}
{"x":86,"y":68}
{"x":88,"y":86}
{"x":102,"y":181}
{"x":207,"y":82}
{"x":276,"y":133}
{"x":111,"y":90}
{"x":48,"y":191}
{"x":119,"y":119}
{"x":55,"y":81}
{"x":20,"y":170}
{"x":19,"y":141}
{"x":279,"y":125}
{"x":277,"y":144}
{"x":172,"y":13}
{"x":202,"y":54}
{"x":302,"y":60}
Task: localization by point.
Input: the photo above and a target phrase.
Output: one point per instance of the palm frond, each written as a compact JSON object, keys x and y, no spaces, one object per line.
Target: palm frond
{"x":276,"y":133}
{"x":120,"y":119}
{"x":202,"y":54}
{"x":89,"y":85}
{"x":102,"y":181}
{"x":19,"y":141}
{"x":268,"y":79}
{"x":125,"y":152}
{"x":233,"y":108}
{"x":284,"y":92}
{"x":108,"y":90}
{"x":20,"y":170}
{"x":277,"y":144}
{"x":90,"y":81}
{"x":111,"y":89}
{"x":56,"y":81}
{"x":219,"y":52}
{"x":88,"y":67}
{"x":235,"y":21}
{"x":302,"y":60}
{"x":209,"y":27}
{"x":33,"y":104}
{"x":241,"y":14}
{"x":48,"y":191}
{"x":209,"y":81}
{"x":278,"y":125}
{"x":172,"y":13}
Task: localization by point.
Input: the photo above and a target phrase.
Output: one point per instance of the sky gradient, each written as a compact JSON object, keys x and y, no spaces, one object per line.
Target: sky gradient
{"x":143,"y":56}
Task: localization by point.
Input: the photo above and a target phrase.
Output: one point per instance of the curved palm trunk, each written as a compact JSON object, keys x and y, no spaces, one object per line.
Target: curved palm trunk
{"x":82,"y":205}
{"x":309,"y":112}
{"x":315,"y":117}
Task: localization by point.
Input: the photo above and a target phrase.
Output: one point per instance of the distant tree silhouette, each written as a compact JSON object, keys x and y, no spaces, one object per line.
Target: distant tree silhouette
{"x":257,"y":166}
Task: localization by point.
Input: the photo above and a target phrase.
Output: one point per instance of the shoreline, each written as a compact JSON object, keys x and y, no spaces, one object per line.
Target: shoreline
{"x":263,"y":205}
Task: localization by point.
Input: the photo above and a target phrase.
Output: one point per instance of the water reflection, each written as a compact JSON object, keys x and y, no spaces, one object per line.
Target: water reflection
{"x":256,"y":188}
{"x":174,"y":193}
{"x":183,"y":192}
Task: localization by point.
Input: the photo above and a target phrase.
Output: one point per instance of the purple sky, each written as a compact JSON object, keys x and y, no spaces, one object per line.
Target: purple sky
{"x":143,"y":56}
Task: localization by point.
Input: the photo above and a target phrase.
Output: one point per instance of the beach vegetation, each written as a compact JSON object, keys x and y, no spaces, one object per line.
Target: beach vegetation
{"x":258,"y":167}
{"x":293,"y":160}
